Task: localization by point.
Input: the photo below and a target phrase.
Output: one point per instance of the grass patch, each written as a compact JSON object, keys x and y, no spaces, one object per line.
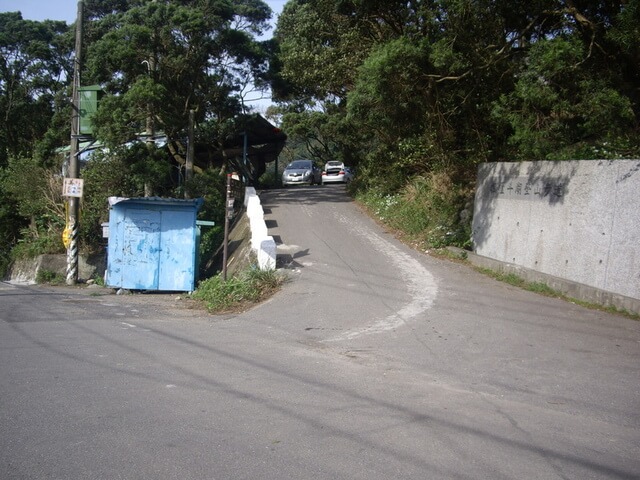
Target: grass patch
{"x":430,"y":211}
{"x":604,"y":308}
{"x":543,"y":289}
{"x":454,"y":254}
{"x":49,"y":277}
{"x":517,"y":281}
{"x":238,"y":292}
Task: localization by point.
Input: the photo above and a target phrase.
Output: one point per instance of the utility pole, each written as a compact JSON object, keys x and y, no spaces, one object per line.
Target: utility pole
{"x":74,"y":170}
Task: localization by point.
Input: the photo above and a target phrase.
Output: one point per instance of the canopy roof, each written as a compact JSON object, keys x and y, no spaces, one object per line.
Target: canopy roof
{"x":263,"y":142}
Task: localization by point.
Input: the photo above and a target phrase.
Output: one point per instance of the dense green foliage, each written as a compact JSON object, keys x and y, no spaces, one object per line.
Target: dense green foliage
{"x":156,"y":61}
{"x":159,"y":60}
{"x":34,"y":62}
{"x":416,"y":93}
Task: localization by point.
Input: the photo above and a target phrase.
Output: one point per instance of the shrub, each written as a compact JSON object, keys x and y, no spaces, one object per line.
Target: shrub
{"x":33,"y":216}
{"x":49,"y":277}
{"x":238,"y":292}
{"x":427,"y":211}
{"x":270,"y":178}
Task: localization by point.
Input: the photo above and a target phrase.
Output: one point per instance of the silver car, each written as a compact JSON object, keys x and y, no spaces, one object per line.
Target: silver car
{"x":301,"y":172}
{"x":335,"y":172}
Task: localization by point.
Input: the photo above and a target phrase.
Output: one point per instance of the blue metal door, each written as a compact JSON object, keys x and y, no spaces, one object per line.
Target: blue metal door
{"x":177,"y":251}
{"x":141,"y":249}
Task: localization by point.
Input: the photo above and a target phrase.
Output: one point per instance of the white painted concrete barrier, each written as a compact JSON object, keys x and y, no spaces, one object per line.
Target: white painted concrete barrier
{"x":249,"y":192}
{"x":262,"y":244}
{"x":267,"y":254}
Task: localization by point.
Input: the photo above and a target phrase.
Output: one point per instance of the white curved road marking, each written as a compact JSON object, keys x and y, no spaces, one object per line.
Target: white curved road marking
{"x":421,"y":285}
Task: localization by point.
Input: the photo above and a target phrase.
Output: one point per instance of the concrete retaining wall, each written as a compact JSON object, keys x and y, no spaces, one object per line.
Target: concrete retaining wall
{"x":574,"y":220}
{"x":26,"y":271}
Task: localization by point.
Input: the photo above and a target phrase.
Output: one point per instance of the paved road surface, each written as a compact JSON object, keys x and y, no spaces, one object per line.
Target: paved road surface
{"x":373,"y":362}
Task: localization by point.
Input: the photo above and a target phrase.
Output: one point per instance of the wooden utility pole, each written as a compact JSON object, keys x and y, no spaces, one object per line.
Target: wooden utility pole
{"x":74,"y":150}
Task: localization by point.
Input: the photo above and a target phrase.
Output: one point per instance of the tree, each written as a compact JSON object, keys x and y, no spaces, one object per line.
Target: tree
{"x":576,"y":94}
{"x":318,"y":51}
{"x":322,"y":136}
{"x":557,"y":104}
{"x":34,"y":65}
{"x":462,"y":81}
{"x":159,"y":60}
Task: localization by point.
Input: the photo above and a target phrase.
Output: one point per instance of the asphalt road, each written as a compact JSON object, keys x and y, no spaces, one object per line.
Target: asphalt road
{"x":373,"y":362}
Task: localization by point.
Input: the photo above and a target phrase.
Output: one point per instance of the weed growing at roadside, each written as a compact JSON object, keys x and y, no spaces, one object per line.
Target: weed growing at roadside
{"x":237,"y":293}
{"x":543,"y":289}
{"x":517,"y":281}
{"x":427,"y":212}
{"x":49,"y":277}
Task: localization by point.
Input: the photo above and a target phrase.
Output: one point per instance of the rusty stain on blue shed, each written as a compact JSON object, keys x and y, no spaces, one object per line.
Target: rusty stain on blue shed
{"x":152,"y":243}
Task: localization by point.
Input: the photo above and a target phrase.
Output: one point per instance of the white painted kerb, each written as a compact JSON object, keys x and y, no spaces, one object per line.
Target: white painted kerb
{"x":262,"y":244}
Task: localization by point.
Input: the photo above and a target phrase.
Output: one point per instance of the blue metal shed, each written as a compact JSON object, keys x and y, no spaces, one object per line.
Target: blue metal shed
{"x":152,"y":243}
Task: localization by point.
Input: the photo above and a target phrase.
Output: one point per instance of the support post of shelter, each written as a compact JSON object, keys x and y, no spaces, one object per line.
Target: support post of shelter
{"x":245,"y":148}
{"x":227,"y":217}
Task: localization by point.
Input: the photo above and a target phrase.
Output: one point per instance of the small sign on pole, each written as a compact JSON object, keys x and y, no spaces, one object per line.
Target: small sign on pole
{"x":72,"y":187}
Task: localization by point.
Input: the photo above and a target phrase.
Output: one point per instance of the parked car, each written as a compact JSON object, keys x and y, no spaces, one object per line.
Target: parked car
{"x":336,"y":172}
{"x":301,"y":172}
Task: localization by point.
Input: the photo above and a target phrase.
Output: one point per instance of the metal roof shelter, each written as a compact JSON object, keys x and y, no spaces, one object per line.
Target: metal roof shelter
{"x":256,"y":143}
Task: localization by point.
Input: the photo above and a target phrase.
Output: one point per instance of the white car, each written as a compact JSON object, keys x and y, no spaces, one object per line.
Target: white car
{"x":335,"y":172}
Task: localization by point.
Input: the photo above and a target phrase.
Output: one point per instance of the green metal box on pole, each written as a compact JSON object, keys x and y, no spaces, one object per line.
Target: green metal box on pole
{"x":89,"y":100}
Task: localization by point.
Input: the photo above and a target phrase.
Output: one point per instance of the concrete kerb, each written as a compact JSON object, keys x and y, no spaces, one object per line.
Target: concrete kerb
{"x":262,"y":244}
{"x":569,"y":288}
